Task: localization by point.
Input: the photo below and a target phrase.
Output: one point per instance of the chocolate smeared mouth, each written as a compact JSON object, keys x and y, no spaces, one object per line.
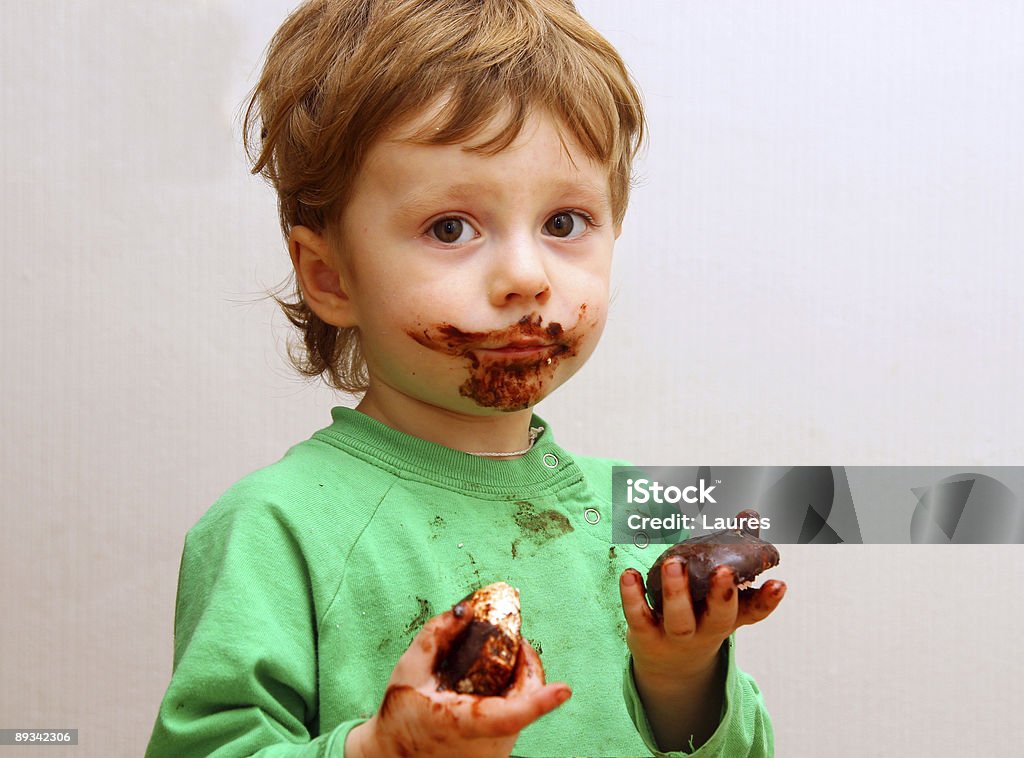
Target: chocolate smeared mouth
{"x":527,"y":331}
{"x":740,"y":549}
{"x":482,"y":660}
{"x":508,"y":367}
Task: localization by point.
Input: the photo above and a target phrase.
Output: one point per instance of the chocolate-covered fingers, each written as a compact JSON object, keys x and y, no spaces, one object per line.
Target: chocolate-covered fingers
{"x":634,"y":603}
{"x":677,"y":607}
{"x":756,"y":605}
{"x":719,"y":616}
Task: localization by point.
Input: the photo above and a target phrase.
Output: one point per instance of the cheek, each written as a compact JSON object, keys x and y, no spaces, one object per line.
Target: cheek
{"x":591,"y":326}
{"x":593,"y":330}
{"x":590,"y":286}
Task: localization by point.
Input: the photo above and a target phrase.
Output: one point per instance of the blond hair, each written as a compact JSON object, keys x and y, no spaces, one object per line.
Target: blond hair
{"x":340,"y":73}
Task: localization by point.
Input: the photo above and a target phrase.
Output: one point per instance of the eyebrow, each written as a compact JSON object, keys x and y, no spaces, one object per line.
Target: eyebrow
{"x":421,"y":199}
{"x":427,"y":199}
{"x":590,"y":192}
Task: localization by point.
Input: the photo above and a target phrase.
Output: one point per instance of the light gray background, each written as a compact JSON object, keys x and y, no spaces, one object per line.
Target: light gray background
{"x":822,"y":265}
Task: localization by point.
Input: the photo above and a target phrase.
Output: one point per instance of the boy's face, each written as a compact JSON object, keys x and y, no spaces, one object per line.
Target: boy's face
{"x":479,"y":283}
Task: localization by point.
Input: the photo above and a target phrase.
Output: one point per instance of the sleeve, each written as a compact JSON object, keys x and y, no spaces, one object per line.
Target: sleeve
{"x":744,"y":731}
{"x":245,"y":659}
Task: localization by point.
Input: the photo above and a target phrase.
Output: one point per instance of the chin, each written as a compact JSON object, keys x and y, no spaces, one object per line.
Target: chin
{"x":512,"y":389}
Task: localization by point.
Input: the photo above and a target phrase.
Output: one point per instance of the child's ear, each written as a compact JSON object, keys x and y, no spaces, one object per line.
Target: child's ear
{"x":323,"y":285}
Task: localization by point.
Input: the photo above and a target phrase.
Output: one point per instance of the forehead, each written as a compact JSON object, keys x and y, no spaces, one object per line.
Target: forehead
{"x":544,"y":154}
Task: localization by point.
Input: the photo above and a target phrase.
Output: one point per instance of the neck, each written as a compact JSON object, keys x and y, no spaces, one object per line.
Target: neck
{"x":501,"y":432}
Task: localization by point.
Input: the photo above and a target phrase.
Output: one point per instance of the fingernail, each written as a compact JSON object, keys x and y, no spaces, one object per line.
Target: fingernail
{"x":675,"y":568}
{"x":563,"y":695}
{"x":459,"y":610}
{"x":778,"y":589}
{"x":629,"y":578}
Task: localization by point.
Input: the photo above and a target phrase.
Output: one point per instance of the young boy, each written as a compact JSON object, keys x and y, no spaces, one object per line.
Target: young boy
{"x":452,"y":177}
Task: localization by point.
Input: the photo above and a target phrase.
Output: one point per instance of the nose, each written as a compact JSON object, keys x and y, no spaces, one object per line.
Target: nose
{"x":519,"y":275}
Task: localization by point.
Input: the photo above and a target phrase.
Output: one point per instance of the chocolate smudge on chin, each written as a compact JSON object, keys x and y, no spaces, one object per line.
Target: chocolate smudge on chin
{"x":509,"y":384}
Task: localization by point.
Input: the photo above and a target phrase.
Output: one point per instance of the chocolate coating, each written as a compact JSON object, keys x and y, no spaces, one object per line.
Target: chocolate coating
{"x":740,"y":549}
{"x":457,"y":671}
{"x":482,"y":660}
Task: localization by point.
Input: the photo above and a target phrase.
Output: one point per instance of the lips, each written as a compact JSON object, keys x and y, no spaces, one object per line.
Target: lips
{"x":527,"y":338}
{"x":517,"y":345}
{"x":518,"y":349}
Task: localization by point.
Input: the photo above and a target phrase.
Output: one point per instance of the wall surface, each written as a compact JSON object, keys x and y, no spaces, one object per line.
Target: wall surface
{"x":822,"y":264}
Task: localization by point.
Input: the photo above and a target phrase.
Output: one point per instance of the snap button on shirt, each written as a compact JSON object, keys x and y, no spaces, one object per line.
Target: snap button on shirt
{"x":550,"y":460}
{"x":592,"y":516}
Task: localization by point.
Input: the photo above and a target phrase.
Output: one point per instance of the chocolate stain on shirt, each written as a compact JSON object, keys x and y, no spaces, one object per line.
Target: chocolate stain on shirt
{"x":436,"y":526}
{"x":540,"y":527}
{"x":476,"y":571}
{"x":494,"y":381}
{"x":420,"y":618}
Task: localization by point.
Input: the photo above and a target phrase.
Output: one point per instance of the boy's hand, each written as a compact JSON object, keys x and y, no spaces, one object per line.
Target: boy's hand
{"x":680,"y":644}
{"x":416,"y":718}
{"x":676,"y":658}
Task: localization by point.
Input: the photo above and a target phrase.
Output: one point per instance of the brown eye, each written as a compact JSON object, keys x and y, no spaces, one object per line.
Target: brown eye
{"x":451,"y":230}
{"x":566,"y":225}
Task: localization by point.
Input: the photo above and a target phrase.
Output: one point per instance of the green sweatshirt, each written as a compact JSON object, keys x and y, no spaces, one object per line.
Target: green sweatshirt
{"x":304,"y":583}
